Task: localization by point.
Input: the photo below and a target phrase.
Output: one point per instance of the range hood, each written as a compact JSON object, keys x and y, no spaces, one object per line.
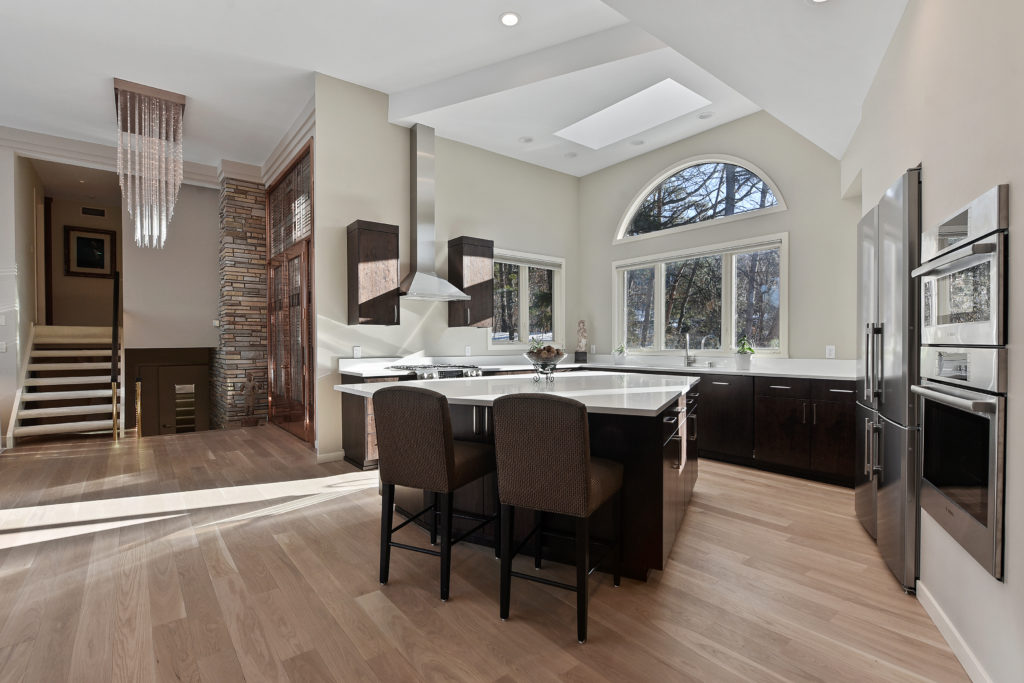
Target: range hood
{"x":422,"y":282}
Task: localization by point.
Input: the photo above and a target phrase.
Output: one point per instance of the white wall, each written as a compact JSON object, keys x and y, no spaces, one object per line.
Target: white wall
{"x":821,"y":227}
{"x":81,"y":300}
{"x":170,"y":295}
{"x":361,"y":170}
{"x":949,"y":94}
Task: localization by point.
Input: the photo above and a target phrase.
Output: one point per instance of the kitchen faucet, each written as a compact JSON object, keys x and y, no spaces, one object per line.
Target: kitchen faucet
{"x":689,"y":360}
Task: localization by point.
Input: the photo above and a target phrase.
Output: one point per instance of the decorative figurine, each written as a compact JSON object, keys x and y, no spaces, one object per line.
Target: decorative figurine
{"x":581,"y":342}
{"x":249,"y":389}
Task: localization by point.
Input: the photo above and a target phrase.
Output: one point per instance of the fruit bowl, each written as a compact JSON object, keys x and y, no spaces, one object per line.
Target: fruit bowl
{"x":544,"y":362}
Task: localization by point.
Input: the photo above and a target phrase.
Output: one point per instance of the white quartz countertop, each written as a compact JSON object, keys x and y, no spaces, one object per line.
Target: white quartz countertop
{"x":617,"y":393}
{"x":812,"y":368}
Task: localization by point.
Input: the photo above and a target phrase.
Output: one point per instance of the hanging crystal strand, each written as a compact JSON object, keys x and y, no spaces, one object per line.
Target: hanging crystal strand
{"x":138,"y":170}
{"x":164,"y":194}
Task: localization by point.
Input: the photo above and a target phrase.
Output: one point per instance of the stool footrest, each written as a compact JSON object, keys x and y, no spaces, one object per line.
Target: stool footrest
{"x":484,"y":522}
{"x":413,"y":518}
{"x":417,"y":549}
{"x":541,"y":579}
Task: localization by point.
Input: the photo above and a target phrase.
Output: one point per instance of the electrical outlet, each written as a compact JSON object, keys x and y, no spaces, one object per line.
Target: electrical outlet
{"x":469,"y":350}
{"x":3,"y":347}
{"x":3,"y":319}
{"x":216,"y":323}
{"x":830,"y":351}
{"x":593,"y":348}
{"x":357,"y":351}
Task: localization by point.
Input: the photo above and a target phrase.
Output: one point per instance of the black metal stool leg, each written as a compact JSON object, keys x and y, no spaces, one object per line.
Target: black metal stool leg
{"x":446,"y":542}
{"x":538,"y":539}
{"x":507,"y":524}
{"x":433,"y":519}
{"x":387,"y":511}
{"x":582,"y":574}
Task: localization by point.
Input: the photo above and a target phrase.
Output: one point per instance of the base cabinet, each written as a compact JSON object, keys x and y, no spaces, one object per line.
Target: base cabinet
{"x":725,"y":421}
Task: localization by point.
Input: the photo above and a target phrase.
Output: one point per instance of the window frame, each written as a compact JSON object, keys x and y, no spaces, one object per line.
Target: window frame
{"x":621,"y":237}
{"x":728,"y":251}
{"x":526,"y":260}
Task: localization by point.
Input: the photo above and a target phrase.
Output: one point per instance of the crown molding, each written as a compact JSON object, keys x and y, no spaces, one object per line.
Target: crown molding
{"x":239,"y":171}
{"x":89,"y":154}
{"x":299,"y":133}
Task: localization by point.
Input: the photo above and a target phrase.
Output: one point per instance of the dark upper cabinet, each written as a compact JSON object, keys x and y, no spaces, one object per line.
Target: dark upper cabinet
{"x":373,"y":274}
{"x":471,"y":269}
{"x":725,"y":421}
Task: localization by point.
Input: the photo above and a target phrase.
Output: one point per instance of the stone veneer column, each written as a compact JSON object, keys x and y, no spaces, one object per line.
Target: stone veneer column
{"x":243,"y":303}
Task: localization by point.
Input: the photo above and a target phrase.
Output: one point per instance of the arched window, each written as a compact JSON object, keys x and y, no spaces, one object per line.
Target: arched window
{"x":700,"y":191}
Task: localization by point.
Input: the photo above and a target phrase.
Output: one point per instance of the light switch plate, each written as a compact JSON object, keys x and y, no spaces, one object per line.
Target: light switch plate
{"x":830,"y":351}
{"x":3,"y":347}
{"x":357,"y":351}
{"x":216,"y":323}
{"x":593,"y":348}
{"x":469,"y":350}
{"x":3,"y":319}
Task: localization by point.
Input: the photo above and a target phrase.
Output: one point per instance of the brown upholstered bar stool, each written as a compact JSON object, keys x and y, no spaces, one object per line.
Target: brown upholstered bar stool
{"x":542,"y":447}
{"x":416,"y":449}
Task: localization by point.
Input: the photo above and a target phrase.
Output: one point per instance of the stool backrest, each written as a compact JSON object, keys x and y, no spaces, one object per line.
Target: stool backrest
{"x":542,"y":449}
{"x":414,"y":438}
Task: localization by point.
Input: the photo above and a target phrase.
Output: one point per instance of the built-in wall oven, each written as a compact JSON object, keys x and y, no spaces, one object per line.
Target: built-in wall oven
{"x":962,"y":392}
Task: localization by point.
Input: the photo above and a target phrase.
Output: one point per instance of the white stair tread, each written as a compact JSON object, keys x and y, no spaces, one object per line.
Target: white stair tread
{"x":65,"y":428}
{"x":64,"y":411}
{"x":59,"y":381}
{"x":28,"y":397}
{"x":99,"y":365}
{"x":61,"y":353}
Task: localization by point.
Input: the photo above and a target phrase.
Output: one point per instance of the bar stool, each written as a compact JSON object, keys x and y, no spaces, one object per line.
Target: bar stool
{"x":416,"y":449}
{"x":542,"y":448}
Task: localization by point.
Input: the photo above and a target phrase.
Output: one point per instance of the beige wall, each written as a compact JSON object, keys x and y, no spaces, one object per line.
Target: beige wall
{"x":28,"y":219}
{"x":949,"y":94}
{"x":81,"y":300}
{"x":821,"y":227}
{"x":361,"y":170}
{"x":170,"y":295}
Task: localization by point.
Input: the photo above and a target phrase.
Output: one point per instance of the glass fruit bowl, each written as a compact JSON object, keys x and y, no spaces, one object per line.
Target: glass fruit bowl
{"x":544,"y":362}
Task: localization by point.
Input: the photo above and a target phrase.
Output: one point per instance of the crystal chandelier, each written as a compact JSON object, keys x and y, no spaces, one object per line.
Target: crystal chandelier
{"x":149,"y":159}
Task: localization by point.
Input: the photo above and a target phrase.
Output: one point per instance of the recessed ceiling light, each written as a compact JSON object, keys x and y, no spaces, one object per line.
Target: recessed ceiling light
{"x":817,"y":2}
{"x":570,"y":155}
{"x":81,"y":181}
{"x":509,"y":18}
{"x":636,"y":143}
{"x":526,"y":139}
{"x":705,"y":115}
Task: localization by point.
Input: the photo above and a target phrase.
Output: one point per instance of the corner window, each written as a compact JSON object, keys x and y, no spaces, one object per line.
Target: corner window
{"x":716,"y":295}
{"x":528,"y":301}
{"x":698,"y":192}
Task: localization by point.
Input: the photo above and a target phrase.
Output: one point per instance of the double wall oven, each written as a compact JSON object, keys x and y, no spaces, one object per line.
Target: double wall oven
{"x":962,"y":393}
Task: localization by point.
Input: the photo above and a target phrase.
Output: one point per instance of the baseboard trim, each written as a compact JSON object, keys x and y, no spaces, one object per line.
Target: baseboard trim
{"x":957,"y":644}
{"x":330,"y":456}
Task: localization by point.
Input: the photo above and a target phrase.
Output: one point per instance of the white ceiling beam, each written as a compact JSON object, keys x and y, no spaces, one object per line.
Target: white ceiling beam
{"x":582,"y":53}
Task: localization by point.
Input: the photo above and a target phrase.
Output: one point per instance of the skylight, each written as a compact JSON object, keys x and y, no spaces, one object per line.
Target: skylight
{"x":646,"y":109}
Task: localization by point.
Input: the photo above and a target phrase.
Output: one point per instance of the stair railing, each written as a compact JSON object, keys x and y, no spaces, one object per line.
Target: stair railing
{"x":22,"y":376}
{"x":115,"y":343}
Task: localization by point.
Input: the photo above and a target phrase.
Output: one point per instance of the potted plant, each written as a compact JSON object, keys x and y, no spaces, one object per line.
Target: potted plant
{"x":743,"y":353}
{"x":619,"y":354}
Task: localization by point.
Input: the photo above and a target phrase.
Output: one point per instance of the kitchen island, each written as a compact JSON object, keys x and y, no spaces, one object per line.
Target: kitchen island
{"x":638,"y":420}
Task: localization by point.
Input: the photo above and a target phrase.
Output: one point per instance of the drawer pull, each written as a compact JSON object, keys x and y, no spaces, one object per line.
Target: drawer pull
{"x":721,"y":384}
{"x":779,"y":386}
{"x":671,"y":420}
{"x":841,"y":391}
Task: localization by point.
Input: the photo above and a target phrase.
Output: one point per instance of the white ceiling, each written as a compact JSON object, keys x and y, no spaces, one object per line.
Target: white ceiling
{"x":246,"y":66}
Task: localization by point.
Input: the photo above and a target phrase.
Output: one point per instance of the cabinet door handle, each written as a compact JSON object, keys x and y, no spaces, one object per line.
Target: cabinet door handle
{"x":396,"y":313}
{"x":693,"y":435}
{"x":841,"y":391}
{"x":671,"y":420}
{"x":814,"y":413}
{"x":804,"y":421}
{"x":779,"y":386}
{"x":721,"y":384}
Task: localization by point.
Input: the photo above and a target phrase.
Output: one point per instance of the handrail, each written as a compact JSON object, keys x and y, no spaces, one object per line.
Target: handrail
{"x":115,"y":342}
{"x":22,"y":376}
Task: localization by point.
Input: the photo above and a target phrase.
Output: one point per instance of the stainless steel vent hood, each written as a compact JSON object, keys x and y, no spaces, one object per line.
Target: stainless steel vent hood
{"x":422,"y":282}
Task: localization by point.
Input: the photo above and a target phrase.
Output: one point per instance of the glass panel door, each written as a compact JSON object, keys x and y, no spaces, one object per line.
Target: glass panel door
{"x":291,"y":405}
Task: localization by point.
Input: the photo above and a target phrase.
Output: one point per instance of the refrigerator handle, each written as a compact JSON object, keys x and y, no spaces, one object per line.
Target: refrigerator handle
{"x":876,"y":467}
{"x":867,"y":447}
{"x":868,"y":368}
{"x":879,"y":369}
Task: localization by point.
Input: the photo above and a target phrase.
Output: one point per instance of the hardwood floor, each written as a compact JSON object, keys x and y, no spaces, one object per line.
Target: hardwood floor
{"x":229,"y":556}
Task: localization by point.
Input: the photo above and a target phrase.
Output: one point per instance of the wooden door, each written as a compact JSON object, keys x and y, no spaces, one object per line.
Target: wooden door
{"x":290,"y":351}
{"x":783,"y":431}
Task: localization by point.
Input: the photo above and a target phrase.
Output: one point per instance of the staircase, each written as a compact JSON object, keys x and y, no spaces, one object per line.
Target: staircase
{"x":66,"y":384}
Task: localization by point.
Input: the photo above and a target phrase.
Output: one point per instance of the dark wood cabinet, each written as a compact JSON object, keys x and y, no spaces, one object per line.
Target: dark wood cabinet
{"x":373,"y":274}
{"x":725,"y":421}
{"x":782,"y":431}
{"x":358,"y":427}
{"x":471,"y":269}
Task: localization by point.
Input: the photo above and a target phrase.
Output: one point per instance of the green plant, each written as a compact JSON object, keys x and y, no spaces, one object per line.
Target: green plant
{"x":536,"y":344}
{"x":743,"y":346}
{"x":619,"y":350}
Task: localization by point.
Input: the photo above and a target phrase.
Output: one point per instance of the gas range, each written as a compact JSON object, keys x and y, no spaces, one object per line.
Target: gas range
{"x":440,"y":370}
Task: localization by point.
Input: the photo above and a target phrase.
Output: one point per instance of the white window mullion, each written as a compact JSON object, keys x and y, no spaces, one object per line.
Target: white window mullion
{"x":660,"y":315}
{"x":728,"y":301}
{"x":524,"y":304}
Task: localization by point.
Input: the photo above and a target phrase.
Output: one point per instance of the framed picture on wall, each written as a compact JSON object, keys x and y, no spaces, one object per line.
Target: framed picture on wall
{"x":89,"y":252}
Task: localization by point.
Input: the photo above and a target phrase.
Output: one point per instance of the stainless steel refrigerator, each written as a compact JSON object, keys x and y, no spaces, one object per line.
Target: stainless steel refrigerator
{"x":887,"y":479}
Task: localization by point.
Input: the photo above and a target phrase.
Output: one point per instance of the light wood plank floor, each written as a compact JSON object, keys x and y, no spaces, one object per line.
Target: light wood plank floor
{"x":229,"y":556}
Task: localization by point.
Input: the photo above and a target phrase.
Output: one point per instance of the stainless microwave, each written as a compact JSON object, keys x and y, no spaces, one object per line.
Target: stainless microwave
{"x":963,"y":295}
